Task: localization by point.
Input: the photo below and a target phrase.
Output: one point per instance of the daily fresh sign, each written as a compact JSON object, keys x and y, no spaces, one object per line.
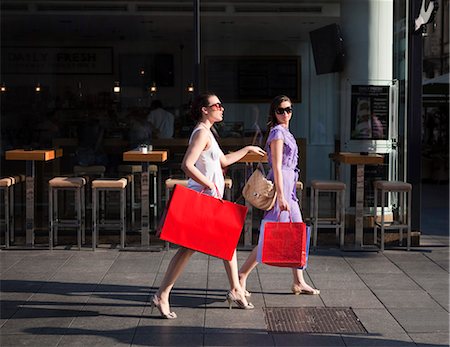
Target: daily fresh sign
{"x":57,"y":60}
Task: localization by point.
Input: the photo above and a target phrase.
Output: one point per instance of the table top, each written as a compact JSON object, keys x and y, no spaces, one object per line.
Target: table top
{"x":253,"y":158}
{"x":35,"y":154}
{"x":354,"y":158}
{"x":153,"y":156}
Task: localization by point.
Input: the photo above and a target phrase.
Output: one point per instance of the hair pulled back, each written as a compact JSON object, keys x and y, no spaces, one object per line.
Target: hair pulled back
{"x":201,"y":100}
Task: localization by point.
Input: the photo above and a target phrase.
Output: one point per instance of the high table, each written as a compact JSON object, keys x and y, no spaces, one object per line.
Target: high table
{"x":31,"y":156}
{"x":250,"y":158}
{"x":360,"y":160}
{"x":145,"y":159}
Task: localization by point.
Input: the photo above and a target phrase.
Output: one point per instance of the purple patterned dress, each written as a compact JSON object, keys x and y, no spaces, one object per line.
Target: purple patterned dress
{"x":290,"y":174}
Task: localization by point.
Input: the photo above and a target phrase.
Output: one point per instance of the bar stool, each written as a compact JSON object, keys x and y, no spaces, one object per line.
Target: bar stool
{"x":7,"y":187}
{"x":90,"y":173}
{"x":403,"y":189}
{"x":171,"y":182}
{"x":132,"y":172}
{"x":108,"y":185}
{"x":61,"y":184}
{"x":338,"y":222}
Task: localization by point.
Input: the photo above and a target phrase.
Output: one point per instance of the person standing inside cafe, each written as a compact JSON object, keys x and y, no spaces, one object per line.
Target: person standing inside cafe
{"x":282,"y":153}
{"x":203,"y":164}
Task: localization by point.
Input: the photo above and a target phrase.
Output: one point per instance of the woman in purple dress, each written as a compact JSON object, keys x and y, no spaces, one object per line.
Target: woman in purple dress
{"x":282,"y":153}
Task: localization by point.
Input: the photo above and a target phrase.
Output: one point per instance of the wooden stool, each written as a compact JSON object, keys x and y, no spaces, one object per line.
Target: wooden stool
{"x":108,"y":185}
{"x":135,"y":171}
{"x":171,"y":182}
{"x":90,"y":173}
{"x":7,"y":186}
{"x":403,"y":189}
{"x":75,"y":184}
{"x":338,"y":222}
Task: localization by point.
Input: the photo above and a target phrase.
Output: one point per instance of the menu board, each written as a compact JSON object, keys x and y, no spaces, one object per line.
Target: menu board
{"x":253,"y":78}
{"x":369,"y":112}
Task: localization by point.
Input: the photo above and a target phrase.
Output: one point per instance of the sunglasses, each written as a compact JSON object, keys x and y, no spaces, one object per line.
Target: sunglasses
{"x":281,"y":110}
{"x":217,"y":106}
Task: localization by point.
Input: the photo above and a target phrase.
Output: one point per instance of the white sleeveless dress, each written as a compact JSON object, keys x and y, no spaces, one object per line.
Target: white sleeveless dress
{"x":208,"y":164}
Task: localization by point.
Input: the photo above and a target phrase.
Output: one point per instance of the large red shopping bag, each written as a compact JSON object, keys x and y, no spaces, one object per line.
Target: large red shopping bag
{"x":203,"y":223}
{"x":284,"y":244}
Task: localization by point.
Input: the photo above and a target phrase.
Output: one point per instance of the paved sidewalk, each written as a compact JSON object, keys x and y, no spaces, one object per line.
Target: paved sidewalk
{"x":85,"y":298}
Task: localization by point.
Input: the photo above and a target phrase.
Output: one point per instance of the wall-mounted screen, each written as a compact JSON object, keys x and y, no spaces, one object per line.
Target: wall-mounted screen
{"x":369,"y":112}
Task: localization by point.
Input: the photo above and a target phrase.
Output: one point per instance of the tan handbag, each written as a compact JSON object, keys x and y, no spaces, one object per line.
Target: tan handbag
{"x":259,"y":191}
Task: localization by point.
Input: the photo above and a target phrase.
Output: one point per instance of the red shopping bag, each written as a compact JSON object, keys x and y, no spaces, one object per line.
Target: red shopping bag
{"x":285,"y":244}
{"x":203,"y":223}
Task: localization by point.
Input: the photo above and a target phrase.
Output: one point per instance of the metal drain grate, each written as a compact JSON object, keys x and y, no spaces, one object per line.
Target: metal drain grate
{"x":335,"y":320}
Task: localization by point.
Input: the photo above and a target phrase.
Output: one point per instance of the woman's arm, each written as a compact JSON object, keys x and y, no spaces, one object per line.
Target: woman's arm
{"x":200,"y":142}
{"x":233,"y":157}
{"x":276,"y":149}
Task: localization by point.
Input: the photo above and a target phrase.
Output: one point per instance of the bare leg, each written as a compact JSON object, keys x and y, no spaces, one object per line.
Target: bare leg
{"x":174,"y":270}
{"x":231,"y":268}
{"x":299,"y":285}
{"x":247,"y":267}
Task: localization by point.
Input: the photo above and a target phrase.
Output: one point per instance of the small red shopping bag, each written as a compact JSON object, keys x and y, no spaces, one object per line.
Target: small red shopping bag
{"x":285,"y":244}
{"x":203,"y":223}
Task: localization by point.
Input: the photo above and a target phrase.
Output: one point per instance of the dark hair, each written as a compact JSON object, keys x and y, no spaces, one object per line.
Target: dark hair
{"x":156,"y":104}
{"x":201,"y":100}
{"x":272,"y":120}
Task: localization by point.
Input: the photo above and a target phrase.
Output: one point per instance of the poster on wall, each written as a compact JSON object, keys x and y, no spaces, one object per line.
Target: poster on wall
{"x":369,"y":112}
{"x":57,"y":60}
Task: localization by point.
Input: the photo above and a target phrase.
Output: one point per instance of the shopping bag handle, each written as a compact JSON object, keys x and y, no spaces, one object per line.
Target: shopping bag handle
{"x":290,"y":216}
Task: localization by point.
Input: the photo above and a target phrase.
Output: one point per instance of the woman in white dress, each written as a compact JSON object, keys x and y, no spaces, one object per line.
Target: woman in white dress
{"x":203,"y":164}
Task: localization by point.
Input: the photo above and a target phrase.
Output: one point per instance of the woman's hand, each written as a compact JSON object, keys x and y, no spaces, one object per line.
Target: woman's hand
{"x":256,"y":149}
{"x":283,"y":204}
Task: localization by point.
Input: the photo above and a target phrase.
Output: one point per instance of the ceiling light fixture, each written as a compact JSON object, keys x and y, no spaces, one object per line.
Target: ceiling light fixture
{"x":116,"y":88}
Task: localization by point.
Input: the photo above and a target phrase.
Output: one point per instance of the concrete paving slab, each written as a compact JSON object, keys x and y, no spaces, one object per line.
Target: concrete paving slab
{"x":14,"y":340}
{"x":405,"y":298}
{"x":422,"y":320}
{"x":115,"y":323}
{"x":190,"y":320}
{"x":431,"y":281}
{"x":441,"y":296}
{"x":378,"y":341}
{"x":399,"y":281}
{"x":430,"y":339}
{"x":342,"y":281}
{"x":243,"y":338}
{"x":225,"y":320}
{"x":98,"y":339}
{"x":308,"y":340}
{"x":172,"y":339}
{"x":379,"y":322}
{"x":355,"y":298}
{"x":377,"y":265}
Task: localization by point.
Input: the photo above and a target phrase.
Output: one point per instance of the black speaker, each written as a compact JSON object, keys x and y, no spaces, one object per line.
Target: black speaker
{"x":164,"y":70}
{"x":328,"y":49}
